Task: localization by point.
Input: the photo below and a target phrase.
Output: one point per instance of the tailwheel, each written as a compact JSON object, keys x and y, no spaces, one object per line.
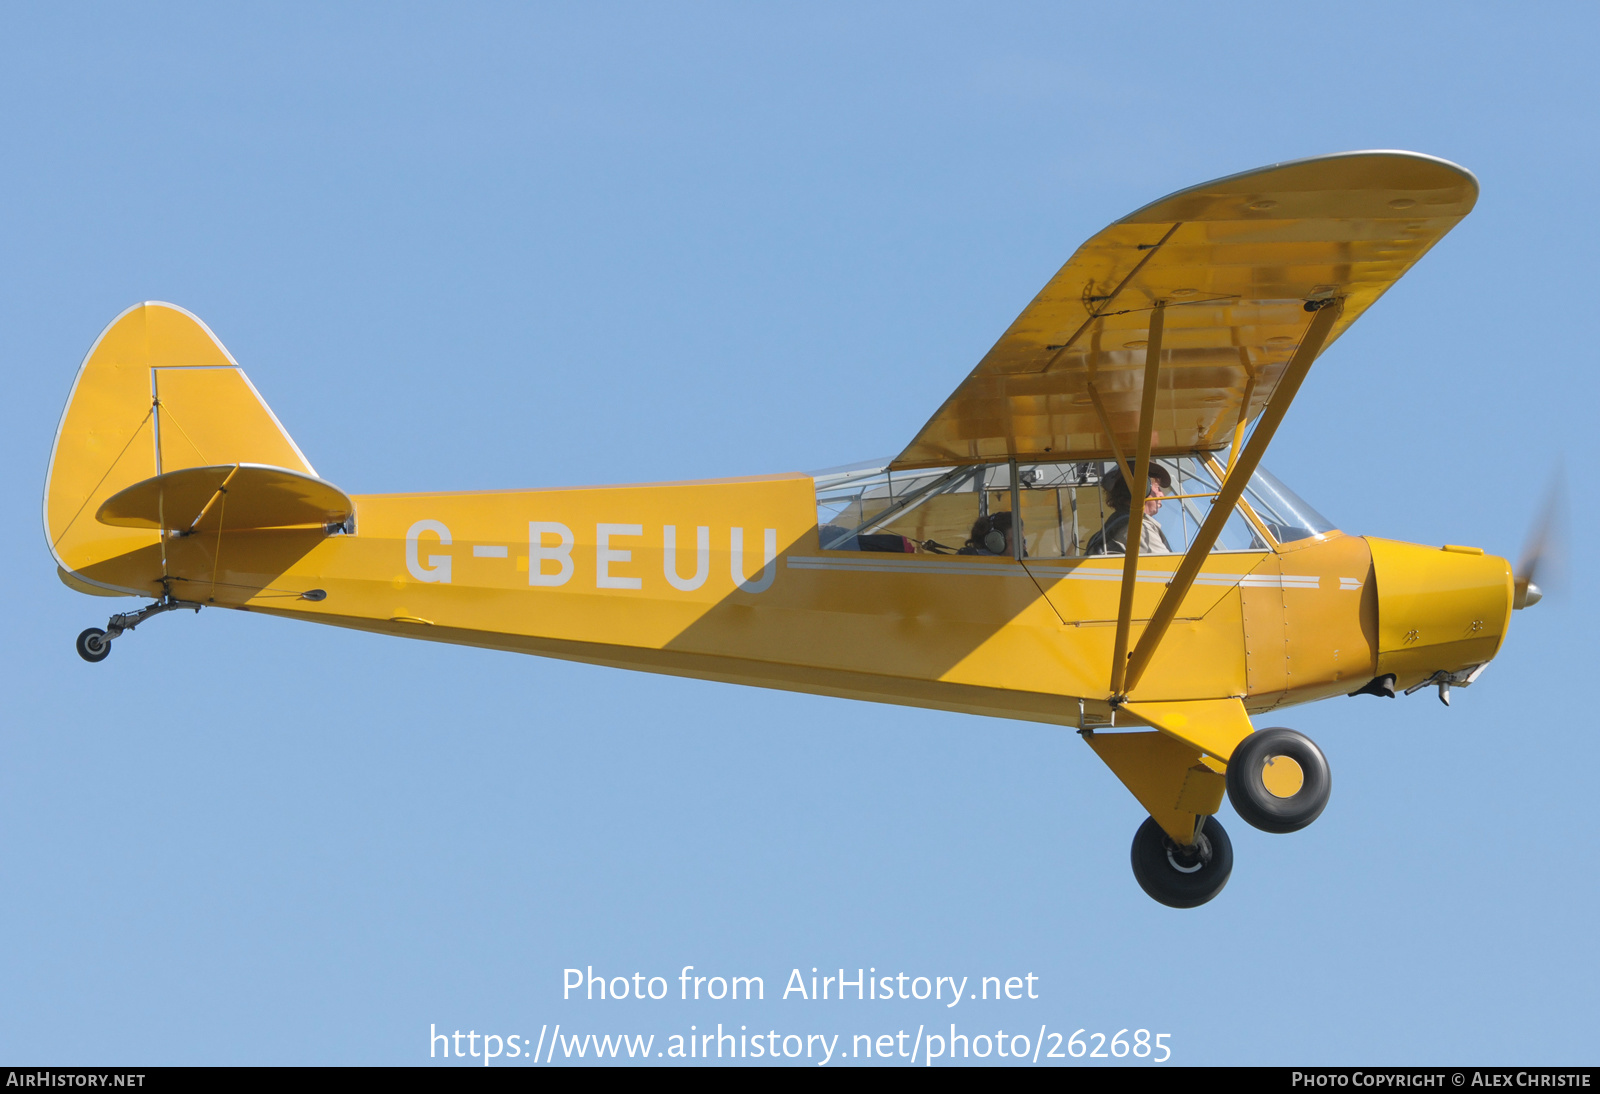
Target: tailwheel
{"x":93,"y":645}
{"x":1182,"y":877}
{"x":1278,"y":780}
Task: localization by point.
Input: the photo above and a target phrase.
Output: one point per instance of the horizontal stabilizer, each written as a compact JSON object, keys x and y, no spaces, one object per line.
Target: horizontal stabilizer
{"x":236,"y":497}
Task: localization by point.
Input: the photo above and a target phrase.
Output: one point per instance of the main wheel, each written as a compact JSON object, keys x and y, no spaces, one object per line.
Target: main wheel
{"x":1278,"y":780}
{"x":1182,"y":877}
{"x":93,"y":645}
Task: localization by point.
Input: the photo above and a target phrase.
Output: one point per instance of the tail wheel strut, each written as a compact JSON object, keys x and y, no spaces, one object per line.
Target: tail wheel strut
{"x":94,"y":644}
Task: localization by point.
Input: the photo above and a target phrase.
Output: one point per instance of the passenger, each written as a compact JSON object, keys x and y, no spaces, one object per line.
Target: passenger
{"x":991,"y":535}
{"x":1113,"y":538}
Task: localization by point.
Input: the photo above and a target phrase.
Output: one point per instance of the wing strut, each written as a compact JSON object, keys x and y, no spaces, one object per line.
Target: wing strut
{"x":1138,"y":488}
{"x":222,"y":489}
{"x":1244,"y":420}
{"x":1111,"y":434}
{"x":1327,"y":314}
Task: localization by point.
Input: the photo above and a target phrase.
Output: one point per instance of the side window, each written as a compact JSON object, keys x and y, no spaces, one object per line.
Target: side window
{"x":1194,"y":487}
{"x":1081,"y":510}
{"x":873,"y":509}
{"x":1069,"y":510}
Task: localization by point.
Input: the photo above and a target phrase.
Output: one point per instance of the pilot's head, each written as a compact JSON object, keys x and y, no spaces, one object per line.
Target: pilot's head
{"x":992,"y":533}
{"x":1120,"y":498}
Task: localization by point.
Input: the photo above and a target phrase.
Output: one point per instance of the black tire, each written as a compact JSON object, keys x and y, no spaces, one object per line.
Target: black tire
{"x":1259,"y":806}
{"x":1176,"y":878}
{"x":93,"y":645}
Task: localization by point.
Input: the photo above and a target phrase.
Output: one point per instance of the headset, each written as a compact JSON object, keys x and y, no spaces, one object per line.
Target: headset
{"x":994,"y":540}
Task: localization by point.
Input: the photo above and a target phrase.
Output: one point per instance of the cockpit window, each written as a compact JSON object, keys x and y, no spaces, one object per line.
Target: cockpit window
{"x":1066,"y":508}
{"x":1286,"y":516}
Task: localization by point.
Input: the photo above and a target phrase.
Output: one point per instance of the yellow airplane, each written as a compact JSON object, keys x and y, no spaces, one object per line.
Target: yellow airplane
{"x":996,"y":566}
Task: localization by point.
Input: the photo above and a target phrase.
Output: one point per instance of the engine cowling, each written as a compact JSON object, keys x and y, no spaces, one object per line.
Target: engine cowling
{"x":1439,"y":608}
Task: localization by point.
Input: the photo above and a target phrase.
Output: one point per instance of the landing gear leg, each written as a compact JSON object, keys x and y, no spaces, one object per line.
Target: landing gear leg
{"x":1182,"y":877}
{"x":94,"y":644}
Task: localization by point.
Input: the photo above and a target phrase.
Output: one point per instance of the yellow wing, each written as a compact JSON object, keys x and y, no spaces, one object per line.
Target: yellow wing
{"x":1235,"y":262}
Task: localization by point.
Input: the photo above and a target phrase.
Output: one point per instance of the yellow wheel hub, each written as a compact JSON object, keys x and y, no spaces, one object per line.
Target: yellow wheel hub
{"x":1282,"y":777}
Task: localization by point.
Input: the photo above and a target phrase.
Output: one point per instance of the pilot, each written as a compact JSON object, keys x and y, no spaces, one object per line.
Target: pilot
{"x":991,"y":535}
{"x":1113,"y":538}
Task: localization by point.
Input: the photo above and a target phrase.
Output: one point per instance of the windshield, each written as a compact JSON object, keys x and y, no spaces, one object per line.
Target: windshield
{"x":1284,"y":512}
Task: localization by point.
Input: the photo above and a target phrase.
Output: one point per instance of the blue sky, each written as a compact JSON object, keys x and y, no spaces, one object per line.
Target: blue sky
{"x":496,"y":246}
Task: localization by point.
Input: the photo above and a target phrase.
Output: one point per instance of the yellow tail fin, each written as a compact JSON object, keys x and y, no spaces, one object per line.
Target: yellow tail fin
{"x":157,"y":393}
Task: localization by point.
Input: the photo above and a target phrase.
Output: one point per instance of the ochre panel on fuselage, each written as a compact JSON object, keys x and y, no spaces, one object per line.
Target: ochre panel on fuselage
{"x":1310,"y":622}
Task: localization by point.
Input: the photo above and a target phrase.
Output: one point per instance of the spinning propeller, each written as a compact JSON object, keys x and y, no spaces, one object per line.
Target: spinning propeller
{"x":1541,"y":551}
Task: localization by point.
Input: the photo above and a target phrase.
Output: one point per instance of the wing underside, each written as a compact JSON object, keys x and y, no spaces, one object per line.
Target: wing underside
{"x":1233,"y":264}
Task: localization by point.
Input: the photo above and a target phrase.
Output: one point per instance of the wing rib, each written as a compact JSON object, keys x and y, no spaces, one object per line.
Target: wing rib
{"x":1150,"y":251}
